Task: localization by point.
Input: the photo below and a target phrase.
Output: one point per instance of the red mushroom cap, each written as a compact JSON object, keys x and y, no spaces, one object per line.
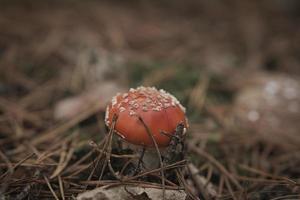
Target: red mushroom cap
{"x":160,"y":111}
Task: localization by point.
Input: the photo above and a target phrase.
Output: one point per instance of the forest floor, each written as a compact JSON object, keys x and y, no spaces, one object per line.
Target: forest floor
{"x":234,"y":65}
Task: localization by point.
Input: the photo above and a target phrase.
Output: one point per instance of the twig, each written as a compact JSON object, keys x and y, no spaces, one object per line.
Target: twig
{"x":171,"y":166}
{"x":262,"y":173}
{"x":217,"y":164}
{"x":227,"y":183}
{"x":85,"y":157}
{"x":125,"y":166}
{"x":221,"y":185}
{"x":55,"y":148}
{"x":140,"y":161}
{"x":97,"y":148}
{"x":263,"y":180}
{"x":206,"y":188}
{"x":102,"y":170}
{"x":291,"y":196}
{"x":109,"y":146}
{"x":66,"y":126}
{"x":50,"y":188}
{"x":185,"y":185}
{"x":61,"y":187}
{"x":158,"y":153}
{"x":167,"y":181}
{"x":28,"y":187}
{"x":10,"y":168}
{"x":22,"y":113}
{"x":94,"y":168}
{"x":63,"y":161}
{"x":107,"y":142}
{"x":18,"y":164}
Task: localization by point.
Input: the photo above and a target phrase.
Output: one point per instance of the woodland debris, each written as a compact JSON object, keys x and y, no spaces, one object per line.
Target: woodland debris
{"x":131,"y":193}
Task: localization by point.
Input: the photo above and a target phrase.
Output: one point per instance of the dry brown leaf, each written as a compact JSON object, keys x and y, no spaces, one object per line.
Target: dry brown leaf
{"x":131,"y":192}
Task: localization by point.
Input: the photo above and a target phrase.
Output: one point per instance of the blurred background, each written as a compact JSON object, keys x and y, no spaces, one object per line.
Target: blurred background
{"x":234,"y":65}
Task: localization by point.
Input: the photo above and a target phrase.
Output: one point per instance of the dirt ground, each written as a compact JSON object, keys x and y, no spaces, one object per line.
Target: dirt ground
{"x":233,"y":64}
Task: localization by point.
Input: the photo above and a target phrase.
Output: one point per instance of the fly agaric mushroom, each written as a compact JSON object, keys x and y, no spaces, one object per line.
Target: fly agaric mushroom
{"x":160,"y":111}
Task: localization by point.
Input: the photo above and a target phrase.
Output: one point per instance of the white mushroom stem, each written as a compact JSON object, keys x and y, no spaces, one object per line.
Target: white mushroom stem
{"x":150,"y":160}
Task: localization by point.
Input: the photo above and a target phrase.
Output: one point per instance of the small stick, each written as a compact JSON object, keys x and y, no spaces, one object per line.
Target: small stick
{"x":171,"y":166}
{"x":221,"y":185}
{"x":262,"y":173}
{"x":7,"y":161}
{"x":209,"y":175}
{"x":217,"y":164}
{"x":125,"y":166}
{"x":227,"y":183}
{"x":205,"y":188}
{"x":167,"y":181}
{"x":102,"y":170}
{"x":94,"y":168}
{"x":54,"y":132}
{"x":167,"y":167}
{"x":50,"y":188}
{"x":185,"y":185}
{"x":27,"y":189}
{"x":102,"y":152}
{"x":64,"y":159}
{"x":158,"y":153}
{"x":140,"y":161}
{"x":17,"y":165}
{"x":82,"y":159}
{"x":109,"y":149}
{"x":94,"y":145}
{"x":61,"y":187}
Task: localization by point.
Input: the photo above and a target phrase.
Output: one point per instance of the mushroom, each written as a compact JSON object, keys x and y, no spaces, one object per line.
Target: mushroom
{"x":150,"y":118}
{"x":146,"y":117}
{"x":160,"y":111}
